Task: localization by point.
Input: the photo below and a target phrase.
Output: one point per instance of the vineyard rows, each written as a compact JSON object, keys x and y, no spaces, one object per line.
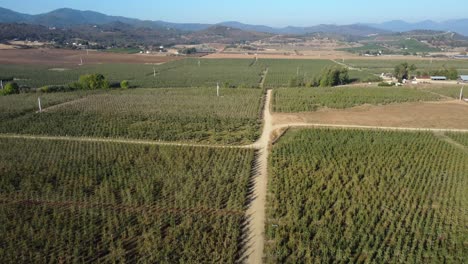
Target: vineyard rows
{"x":192,"y":114}
{"x":452,"y":91}
{"x":241,"y":73}
{"x":311,"y":99}
{"x":462,"y":138}
{"x":340,"y":196}
{"x":20,"y":104}
{"x":107,"y":202}
{"x":182,"y":73}
{"x":379,"y":66}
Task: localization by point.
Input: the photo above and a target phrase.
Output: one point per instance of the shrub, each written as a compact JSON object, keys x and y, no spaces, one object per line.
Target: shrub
{"x":386,"y":84}
{"x":10,"y":88}
{"x":124,"y":84}
{"x":57,"y":88}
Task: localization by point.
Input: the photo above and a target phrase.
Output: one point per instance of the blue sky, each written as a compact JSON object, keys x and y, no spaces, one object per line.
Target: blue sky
{"x":273,"y":13}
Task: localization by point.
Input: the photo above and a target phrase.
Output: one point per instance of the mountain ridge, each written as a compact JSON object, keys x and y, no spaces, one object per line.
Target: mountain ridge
{"x":67,"y":17}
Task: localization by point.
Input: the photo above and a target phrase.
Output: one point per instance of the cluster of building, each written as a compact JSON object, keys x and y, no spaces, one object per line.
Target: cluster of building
{"x":462,"y":78}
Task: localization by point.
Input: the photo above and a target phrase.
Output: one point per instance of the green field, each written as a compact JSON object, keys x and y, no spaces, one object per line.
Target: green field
{"x":240,"y":73}
{"x":19,"y":104}
{"x":181,"y":73}
{"x":452,"y":91}
{"x":280,"y":72}
{"x":382,"y":65}
{"x":123,"y":50}
{"x":413,"y":46}
{"x":393,"y":47}
{"x":186,"y":114}
{"x":72,"y":202}
{"x":311,"y":99}
{"x":343,"y":196}
{"x":462,"y":138}
{"x":368,"y":47}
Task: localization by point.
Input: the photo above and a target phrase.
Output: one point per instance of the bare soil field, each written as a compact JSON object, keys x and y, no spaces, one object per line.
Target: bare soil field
{"x":7,"y":47}
{"x":72,"y":57}
{"x":312,"y":54}
{"x":443,"y":114}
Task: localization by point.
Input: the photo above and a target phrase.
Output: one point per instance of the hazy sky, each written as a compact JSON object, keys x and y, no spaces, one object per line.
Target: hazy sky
{"x":273,"y":13}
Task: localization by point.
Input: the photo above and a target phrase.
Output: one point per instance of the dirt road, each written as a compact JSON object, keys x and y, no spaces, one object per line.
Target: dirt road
{"x":256,"y":211}
{"x":122,"y":141}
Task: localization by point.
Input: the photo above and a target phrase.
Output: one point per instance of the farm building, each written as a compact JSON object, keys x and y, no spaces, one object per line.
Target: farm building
{"x":464,"y":78}
{"x":438,"y":78}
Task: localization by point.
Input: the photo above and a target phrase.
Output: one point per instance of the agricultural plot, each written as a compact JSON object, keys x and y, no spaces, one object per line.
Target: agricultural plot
{"x":393,"y":47}
{"x":16,"y":105}
{"x":66,"y":201}
{"x":412,"y":46}
{"x":311,"y":99}
{"x":452,"y":91}
{"x":461,"y":138}
{"x":367,"y":48}
{"x":280,"y":72}
{"x":379,"y":66}
{"x":340,"y":196}
{"x":189,"y":114}
{"x":182,"y":73}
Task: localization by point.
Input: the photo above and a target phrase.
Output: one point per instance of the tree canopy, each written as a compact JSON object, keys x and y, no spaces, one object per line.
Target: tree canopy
{"x":403,"y":71}
{"x":333,"y":76}
{"x":93,"y":82}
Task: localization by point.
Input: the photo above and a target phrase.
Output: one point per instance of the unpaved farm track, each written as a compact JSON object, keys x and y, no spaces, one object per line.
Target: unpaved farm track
{"x":256,"y":211}
{"x":116,"y":140}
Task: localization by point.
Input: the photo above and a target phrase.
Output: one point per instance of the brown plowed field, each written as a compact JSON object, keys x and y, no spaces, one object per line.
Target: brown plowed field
{"x":443,"y":114}
{"x":62,"y":57}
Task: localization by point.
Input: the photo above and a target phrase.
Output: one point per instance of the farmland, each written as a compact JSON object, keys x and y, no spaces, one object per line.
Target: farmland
{"x":392,"y":47}
{"x":452,"y":91}
{"x":379,"y":66}
{"x":460,"y":137}
{"x":173,"y":173}
{"x":241,"y":73}
{"x":311,"y":99}
{"x":189,"y":114}
{"x":338,"y":196}
{"x":107,"y":202}
{"x":182,"y":73}
{"x":17,"y":105}
{"x":280,"y":72}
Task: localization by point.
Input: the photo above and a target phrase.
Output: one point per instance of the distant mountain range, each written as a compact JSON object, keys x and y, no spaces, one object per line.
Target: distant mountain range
{"x":459,"y":26}
{"x":65,"y":18}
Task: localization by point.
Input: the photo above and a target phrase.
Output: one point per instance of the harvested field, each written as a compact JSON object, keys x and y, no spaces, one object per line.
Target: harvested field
{"x":57,"y":57}
{"x":444,"y":114}
{"x":315,"y":54}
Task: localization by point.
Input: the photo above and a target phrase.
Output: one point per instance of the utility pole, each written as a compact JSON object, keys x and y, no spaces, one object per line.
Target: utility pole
{"x":39,"y":103}
{"x":461,"y":93}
